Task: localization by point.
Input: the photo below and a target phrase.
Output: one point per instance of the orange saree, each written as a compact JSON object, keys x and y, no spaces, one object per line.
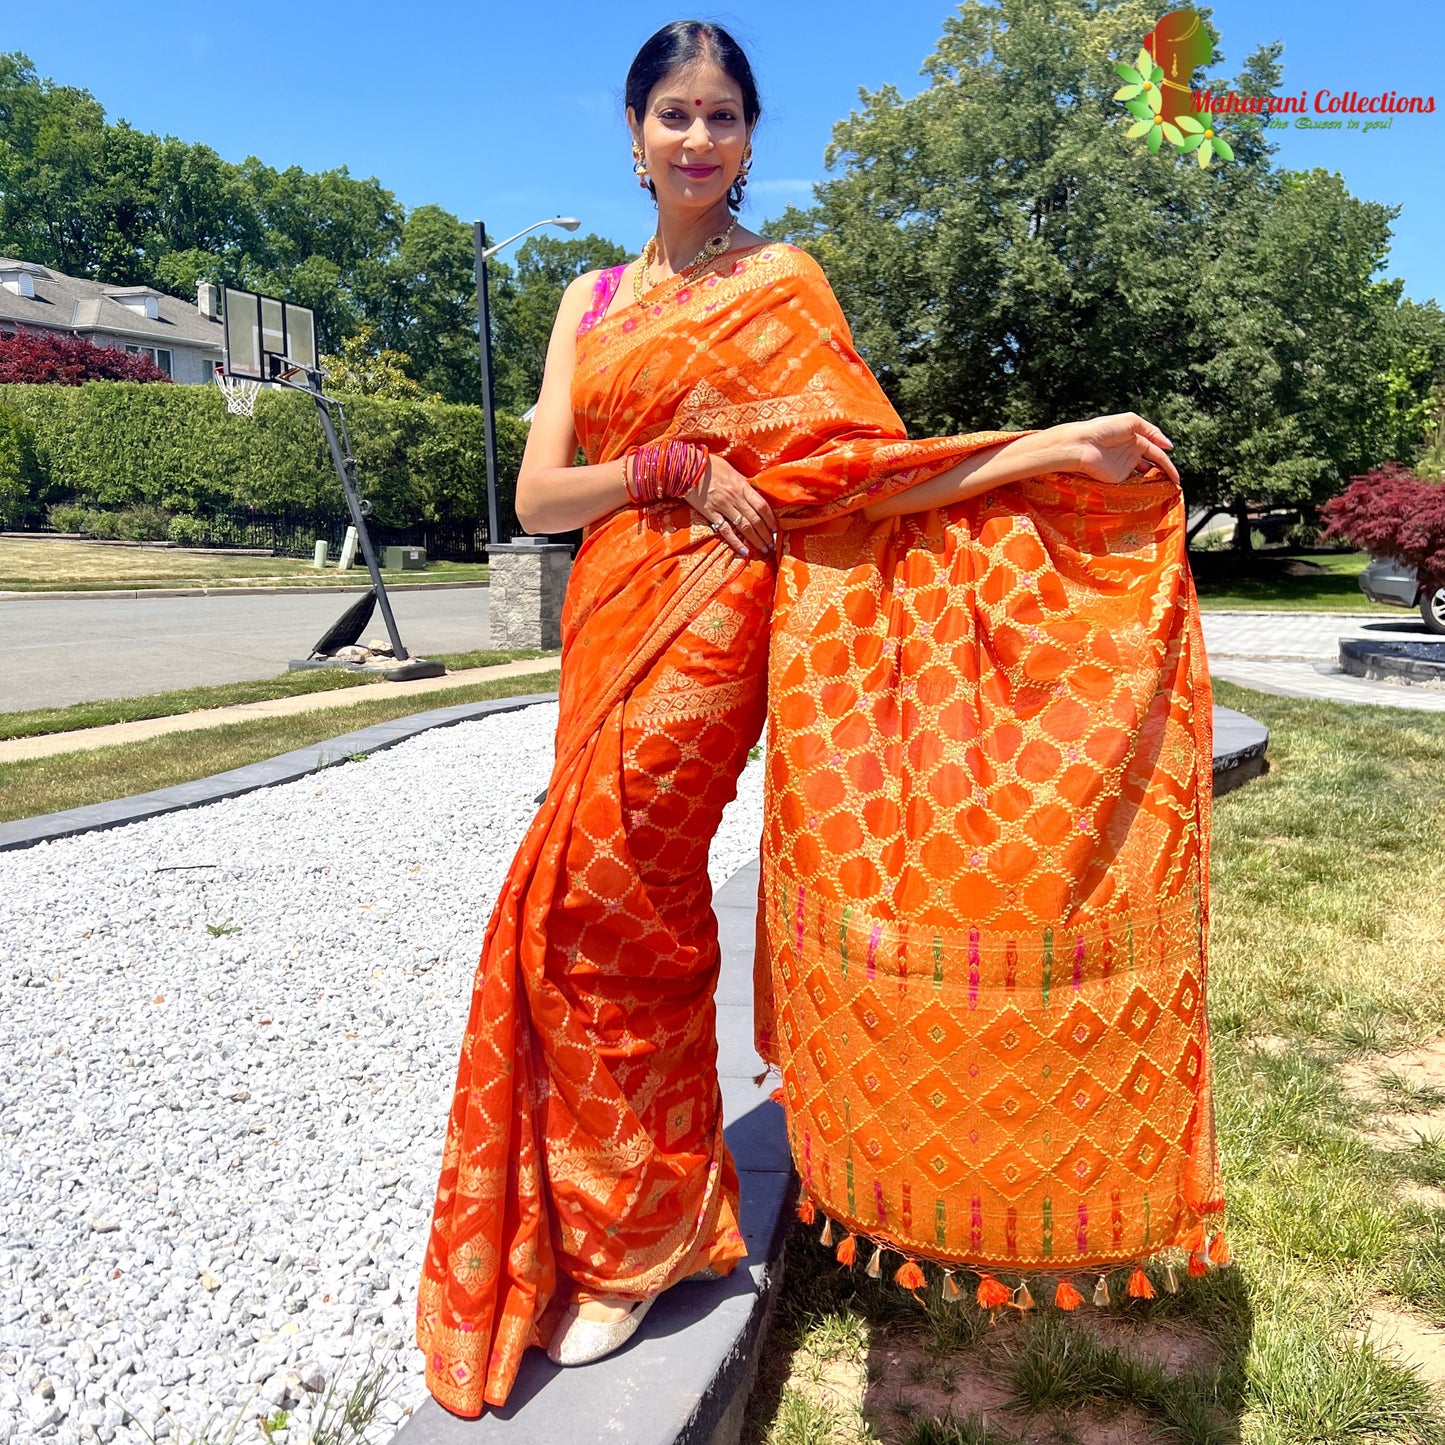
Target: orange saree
{"x":987,"y":787}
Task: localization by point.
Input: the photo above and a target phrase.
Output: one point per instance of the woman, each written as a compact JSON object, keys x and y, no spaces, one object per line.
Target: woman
{"x":747,"y":483}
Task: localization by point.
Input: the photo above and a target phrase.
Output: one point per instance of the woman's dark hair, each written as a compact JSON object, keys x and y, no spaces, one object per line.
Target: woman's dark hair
{"x":681,"y":43}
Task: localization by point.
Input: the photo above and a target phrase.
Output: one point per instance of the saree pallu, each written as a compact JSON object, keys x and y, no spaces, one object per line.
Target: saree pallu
{"x":983,"y":904}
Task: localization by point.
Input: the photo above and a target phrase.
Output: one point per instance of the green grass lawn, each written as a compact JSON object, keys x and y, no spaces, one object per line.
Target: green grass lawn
{"x":71,"y":780}
{"x":1327,"y":959}
{"x":1336,"y":589}
{"x":32,"y":565}
{"x":41,"y":722}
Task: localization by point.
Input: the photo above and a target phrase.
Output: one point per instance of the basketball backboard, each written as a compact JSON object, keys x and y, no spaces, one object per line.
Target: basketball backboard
{"x":265,"y":339}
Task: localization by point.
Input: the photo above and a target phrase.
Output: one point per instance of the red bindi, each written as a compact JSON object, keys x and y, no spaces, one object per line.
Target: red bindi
{"x":697,"y":102}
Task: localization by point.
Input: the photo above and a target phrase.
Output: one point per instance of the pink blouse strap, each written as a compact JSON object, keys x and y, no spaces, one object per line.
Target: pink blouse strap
{"x":603,"y":290}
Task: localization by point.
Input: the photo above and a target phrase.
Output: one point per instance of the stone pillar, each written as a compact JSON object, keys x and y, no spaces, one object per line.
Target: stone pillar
{"x":524,"y":599}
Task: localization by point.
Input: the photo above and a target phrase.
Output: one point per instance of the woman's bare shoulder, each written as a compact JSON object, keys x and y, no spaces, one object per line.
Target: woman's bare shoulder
{"x":576,"y":300}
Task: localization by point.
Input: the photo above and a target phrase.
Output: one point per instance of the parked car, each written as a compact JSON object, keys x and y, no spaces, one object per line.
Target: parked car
{"x":1387,"y":579}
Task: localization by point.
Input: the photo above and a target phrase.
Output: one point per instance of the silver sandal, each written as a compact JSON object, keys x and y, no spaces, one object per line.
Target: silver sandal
{"x":576,"y":1341}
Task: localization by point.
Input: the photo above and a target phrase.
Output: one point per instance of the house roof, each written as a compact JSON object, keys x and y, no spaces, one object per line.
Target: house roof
{"x":68,"y":303}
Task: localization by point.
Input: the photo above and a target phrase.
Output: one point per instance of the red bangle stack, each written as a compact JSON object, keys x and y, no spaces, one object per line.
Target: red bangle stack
{"x":661,"y":471}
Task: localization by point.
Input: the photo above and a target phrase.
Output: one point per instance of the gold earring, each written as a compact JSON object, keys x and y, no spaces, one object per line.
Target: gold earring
{"x":741,"y":179}
{"x":639,"y":165}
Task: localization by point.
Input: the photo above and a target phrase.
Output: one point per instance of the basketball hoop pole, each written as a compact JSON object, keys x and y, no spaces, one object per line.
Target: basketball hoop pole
{"x":344,"y":468}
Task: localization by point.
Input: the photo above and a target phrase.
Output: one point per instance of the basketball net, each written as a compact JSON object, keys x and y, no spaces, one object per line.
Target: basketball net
{"x":240,"y":395}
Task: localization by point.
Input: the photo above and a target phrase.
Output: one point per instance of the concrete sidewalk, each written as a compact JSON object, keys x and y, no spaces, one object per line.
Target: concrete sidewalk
{"x":1322,"y":682}
{"x":237,"y":589}
{"x":83,"y":740}
{"x":1296,"y":654}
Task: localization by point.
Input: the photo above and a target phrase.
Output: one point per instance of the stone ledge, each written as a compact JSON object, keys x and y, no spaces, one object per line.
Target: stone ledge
{"x":1410,"y":663}
{"x":1239,"y":749}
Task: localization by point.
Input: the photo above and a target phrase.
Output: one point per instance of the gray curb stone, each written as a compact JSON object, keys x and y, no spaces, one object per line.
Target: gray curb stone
{"x":1239,"y":749}
{"x":266,"y":774}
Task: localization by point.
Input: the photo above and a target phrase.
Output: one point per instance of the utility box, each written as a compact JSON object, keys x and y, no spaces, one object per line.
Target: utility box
{"x":404,"y":559}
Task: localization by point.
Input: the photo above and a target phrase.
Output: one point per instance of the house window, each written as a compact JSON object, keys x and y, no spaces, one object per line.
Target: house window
{"x":159,"y":356}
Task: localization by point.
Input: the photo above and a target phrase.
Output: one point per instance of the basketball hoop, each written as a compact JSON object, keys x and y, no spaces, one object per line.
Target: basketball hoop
{"x":240,"y":394}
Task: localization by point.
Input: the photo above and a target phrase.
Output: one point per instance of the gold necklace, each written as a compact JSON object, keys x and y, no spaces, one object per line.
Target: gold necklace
{"x":714,"y":246}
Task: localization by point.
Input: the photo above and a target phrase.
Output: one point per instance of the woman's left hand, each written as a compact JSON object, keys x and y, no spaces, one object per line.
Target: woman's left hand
{"x":1117,"y":448}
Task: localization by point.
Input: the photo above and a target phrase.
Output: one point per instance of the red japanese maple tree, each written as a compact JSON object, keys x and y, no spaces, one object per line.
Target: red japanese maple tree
{"x":1390,"y":512}
{"x":63,"y":360}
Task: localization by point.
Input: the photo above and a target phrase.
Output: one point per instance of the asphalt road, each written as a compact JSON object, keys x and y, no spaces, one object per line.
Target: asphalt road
{"x":80,"y":649}
{"x":76,"y":650}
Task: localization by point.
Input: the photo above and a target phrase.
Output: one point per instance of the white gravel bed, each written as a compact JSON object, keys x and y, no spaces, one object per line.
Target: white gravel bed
{"x":228,"y":1042}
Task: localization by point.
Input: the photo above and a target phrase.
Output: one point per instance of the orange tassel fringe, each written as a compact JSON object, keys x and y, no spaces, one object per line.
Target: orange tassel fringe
{"x":1066,"y":1297}
{"x":1192,"y":1240}
{"x":992,"y":1294}
{"x":779,"y":1095}
{"x":910,"y":1276}
{"x":1204,"y":1251}
{"x":1139,"y":1286}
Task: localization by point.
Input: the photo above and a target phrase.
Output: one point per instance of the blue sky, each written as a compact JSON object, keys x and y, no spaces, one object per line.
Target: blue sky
{"x":513,"y":112}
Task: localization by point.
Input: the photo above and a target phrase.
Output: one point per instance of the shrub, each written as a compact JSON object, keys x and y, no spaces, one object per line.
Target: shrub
{"x":102,"y":525}
{"x":144,"y":524}
{"x":188,"y":531}
{"x":1390,"y":512}
{"x":51,"y":359}
{"x":67,"y":517}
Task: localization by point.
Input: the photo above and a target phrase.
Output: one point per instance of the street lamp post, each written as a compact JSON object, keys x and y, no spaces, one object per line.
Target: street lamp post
{"x":484,"y":341}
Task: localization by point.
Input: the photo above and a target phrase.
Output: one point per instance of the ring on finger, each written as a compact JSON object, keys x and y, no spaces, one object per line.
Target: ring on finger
{"x":718,"y":522}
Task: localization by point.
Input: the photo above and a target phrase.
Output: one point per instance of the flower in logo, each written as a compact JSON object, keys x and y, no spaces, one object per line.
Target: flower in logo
{"x":1201,"y":138}
{"x":1141,"y":80}
{"x":1143,"y":100}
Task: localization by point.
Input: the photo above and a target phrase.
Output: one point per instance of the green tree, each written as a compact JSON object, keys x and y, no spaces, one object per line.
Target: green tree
{"x":424,"y":303}
{"x":362,"y":368}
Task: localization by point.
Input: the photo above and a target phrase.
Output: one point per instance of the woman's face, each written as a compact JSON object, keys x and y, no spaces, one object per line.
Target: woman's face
{"x":692,"y":135}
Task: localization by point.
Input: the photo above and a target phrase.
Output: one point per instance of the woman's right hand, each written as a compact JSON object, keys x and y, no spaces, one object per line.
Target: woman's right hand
{"x":1115,"y":448}
{"x":733,"y":508}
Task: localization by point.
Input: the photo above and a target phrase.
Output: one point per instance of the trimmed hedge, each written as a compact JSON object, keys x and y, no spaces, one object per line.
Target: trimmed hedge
{"x":20,"y":474}
{"x":112,"y":446}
